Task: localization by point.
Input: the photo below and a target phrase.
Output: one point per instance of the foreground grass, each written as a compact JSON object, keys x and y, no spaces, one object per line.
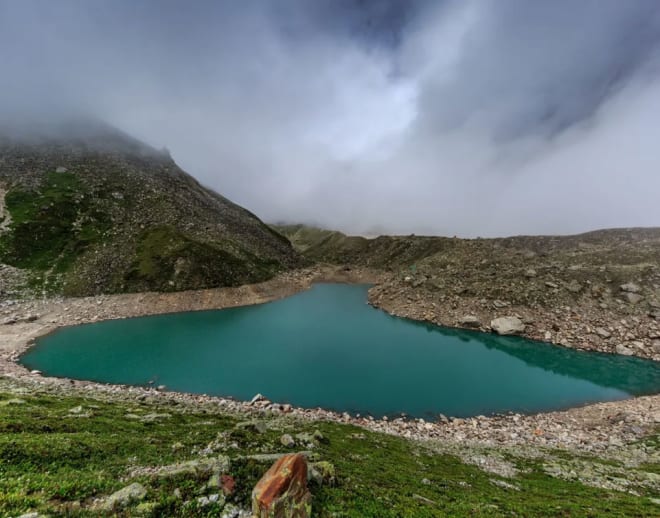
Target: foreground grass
{"x":58,"y":454}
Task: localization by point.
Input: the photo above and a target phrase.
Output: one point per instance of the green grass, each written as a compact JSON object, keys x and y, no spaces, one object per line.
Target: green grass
{"x":51,"y":226}
{"x":56,"y":463}
{"x":167,"y":259}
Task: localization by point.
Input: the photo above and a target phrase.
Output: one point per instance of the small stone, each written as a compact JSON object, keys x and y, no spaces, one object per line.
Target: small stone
{"x":552,"y":285}
{"x":470,"y":321}
{"x":603,"y":333}
{"x":287,"y":441}
{"x":656,"y":346}
{"x":253,"y":426}
{"x":630,"y":287}
{"x":530,"y":273}
{"x":426,"y":482}
{"x":257,"y":398}
{"x":574,"y":286}
{"x":633,"y":298}
{"x":622,"y":349}
{"x":61,"y":169}
{"x":124,"y":497}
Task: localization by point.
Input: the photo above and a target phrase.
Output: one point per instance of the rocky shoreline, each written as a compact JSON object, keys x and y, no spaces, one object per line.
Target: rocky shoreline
{"x":602,"y":427}
{"x":585,"y":326}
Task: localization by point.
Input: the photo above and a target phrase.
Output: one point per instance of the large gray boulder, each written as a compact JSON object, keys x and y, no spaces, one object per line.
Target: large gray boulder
{"x":507,"y":326}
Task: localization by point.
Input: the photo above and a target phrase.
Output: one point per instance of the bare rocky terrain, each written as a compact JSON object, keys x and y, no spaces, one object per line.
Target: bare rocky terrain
{"x":595,"y":291}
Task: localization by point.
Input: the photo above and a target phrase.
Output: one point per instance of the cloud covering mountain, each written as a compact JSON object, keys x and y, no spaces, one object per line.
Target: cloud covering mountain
{"x":475,"y":117}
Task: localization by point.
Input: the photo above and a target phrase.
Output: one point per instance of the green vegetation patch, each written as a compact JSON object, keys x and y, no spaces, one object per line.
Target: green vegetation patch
{"x":52,"y":225}
{"x":61,"y":455}
{"x":167,"y":259}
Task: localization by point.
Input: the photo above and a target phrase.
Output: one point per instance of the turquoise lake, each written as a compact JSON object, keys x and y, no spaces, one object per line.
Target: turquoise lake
{"x":327,"y":347}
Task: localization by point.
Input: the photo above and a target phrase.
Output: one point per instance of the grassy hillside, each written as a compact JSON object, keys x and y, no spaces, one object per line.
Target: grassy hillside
{"x":96,"y":211}
{"x":63,"y":454}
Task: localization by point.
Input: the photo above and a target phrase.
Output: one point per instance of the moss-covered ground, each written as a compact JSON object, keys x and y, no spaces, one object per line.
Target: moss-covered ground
{"x":58,"y":453}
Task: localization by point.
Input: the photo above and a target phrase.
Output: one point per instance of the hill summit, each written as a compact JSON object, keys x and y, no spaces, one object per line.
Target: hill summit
{"x":86,"y":209}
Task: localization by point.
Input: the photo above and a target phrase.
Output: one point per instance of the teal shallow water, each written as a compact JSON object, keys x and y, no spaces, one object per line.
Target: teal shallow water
{"x":326,"y":347}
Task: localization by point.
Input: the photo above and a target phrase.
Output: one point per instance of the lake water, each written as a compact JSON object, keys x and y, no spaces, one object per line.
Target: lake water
{"x":327,"y":348}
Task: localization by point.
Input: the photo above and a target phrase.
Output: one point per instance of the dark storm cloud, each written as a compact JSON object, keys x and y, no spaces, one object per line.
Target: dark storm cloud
{"x":474,"y":117}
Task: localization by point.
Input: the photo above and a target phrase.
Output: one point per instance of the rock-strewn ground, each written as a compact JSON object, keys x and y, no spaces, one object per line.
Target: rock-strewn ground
{"x":583,"y":324}
{"x":592,"y":428}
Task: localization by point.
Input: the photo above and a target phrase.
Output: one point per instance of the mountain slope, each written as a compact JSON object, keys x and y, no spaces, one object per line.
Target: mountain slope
{"x":88,"y":209}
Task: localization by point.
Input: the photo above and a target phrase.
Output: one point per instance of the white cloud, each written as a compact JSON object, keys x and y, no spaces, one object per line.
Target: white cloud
{"x":490,"y":117}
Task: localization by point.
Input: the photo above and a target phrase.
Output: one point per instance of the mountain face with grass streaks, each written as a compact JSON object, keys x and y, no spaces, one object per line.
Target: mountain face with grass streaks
{"x":87,"y":209}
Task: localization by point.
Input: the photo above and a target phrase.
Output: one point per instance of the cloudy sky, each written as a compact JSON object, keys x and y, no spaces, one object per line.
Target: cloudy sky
{"x":466,"y":117}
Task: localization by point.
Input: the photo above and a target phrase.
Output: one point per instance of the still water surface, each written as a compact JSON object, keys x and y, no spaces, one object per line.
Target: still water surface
{"x":326,"y":347}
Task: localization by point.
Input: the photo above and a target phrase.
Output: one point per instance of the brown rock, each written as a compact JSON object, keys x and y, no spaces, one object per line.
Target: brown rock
{"x":228,"y":484}
{"x":282,"y":492}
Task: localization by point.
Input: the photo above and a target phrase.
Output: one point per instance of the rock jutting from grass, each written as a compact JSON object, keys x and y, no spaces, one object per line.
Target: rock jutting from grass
{"x":282,"y":491}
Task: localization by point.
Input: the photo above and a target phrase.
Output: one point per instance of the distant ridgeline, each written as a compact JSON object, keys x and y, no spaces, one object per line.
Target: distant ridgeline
{"x":546,"y":271}
{"x":86,"y":209}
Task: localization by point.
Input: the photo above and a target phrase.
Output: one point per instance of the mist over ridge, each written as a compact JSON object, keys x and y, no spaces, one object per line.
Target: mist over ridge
{"x":472,"y":118}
